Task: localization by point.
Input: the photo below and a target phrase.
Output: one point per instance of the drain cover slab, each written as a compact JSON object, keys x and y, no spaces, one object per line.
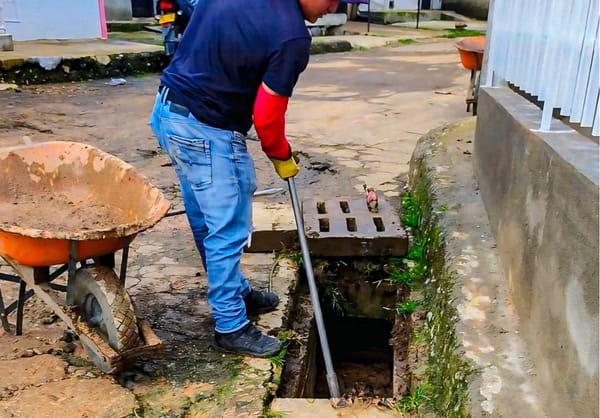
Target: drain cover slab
{"x":344,"y":227}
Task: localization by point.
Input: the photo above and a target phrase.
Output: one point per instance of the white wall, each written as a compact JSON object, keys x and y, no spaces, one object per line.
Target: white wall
{"x":44,"y":19}
{"x":118,"y":9}
{"x":398,"y":5}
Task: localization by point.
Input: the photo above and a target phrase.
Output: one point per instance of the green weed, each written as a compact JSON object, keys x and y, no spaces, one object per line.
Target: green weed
{"x":408,"y":307}
{"x":455,"y":33}
{"x":412,"y":402}
{"x":286,"y":337}
{"x":411,"y":215}
{"x":336,"y":299}
{"x":272,"y":414}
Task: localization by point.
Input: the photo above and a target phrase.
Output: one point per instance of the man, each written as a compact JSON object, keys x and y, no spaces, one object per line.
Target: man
{"x":237,"y":64}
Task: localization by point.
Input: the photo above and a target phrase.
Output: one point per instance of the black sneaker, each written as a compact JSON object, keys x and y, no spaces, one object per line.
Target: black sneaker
{"x":258,"y":302}
{"x":248,"y":340}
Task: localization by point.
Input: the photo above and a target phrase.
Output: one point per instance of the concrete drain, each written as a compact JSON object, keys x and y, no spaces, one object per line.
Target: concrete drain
{"x":363,"y":357}
{"x":368,"y":341}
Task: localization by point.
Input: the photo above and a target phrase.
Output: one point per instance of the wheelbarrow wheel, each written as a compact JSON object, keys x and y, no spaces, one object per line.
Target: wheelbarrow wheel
{"x":104,"y":303}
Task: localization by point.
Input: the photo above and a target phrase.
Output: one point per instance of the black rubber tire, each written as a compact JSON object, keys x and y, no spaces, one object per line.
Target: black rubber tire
{"x":118,"y":324}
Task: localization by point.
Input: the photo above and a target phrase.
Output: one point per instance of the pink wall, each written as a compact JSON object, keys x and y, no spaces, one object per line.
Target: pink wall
{"x":103,"y":27}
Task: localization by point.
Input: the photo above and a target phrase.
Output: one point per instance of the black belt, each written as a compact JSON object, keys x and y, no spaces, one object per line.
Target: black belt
{"x":176,"y":105}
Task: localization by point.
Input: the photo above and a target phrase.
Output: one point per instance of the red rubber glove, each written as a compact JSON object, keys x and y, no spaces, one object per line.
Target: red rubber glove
{"x":269,"y":122}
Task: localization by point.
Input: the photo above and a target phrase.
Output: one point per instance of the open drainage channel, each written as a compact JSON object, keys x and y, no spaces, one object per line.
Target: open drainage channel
{"x":367,"y":338}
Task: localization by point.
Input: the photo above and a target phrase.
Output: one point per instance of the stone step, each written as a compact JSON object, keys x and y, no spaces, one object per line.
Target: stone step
{"x":274,"y":227}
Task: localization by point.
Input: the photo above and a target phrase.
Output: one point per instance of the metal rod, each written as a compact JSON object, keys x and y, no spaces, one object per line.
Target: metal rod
{"x":3,"y":314}
{"x":368,"y":16}
{"x":10,"y":308}
{"x":58,"y":272}
{"x":258,"y":193}
{"x":20,"y":306}
{"x":124,"y":256}
{"x":332,"y":381}
{"x":10,"y":278}
{"x":71,"y":271}
{"x":268,"y":192}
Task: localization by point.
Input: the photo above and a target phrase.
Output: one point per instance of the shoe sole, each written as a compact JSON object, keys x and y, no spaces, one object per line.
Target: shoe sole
{"x":245,"y":353}
{"x":263,"y":310}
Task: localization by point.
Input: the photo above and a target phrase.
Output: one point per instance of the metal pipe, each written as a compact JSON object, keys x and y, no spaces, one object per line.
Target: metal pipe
{"x":266,"y":192}
{"x":332,"y":381}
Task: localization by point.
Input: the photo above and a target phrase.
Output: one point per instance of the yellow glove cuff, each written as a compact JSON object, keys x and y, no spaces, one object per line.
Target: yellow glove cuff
{"x":285,"y":168}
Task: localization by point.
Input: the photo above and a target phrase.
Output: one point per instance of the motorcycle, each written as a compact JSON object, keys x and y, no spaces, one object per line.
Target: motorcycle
{"x":173,"y":16}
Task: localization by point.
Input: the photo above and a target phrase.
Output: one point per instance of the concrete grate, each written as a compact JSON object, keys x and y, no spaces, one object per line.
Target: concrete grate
{"x":344,"y":227}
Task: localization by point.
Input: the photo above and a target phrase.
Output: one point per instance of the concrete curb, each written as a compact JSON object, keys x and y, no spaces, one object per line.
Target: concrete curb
{"x":475,"y":348}
{"x":55,"y":69}
{"x":60,"y":69}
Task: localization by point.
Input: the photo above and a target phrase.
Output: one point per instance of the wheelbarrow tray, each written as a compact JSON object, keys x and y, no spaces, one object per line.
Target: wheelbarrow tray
{"x":470,"y":51}
{"x":55,"y":193}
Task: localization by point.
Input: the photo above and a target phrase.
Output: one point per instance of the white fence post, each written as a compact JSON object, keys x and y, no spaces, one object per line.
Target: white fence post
{"x":6,"y":41}
{"x":549,"y":50}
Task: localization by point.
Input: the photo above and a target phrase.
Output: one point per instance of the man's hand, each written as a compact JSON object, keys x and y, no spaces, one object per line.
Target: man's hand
{"x":286,"y":168}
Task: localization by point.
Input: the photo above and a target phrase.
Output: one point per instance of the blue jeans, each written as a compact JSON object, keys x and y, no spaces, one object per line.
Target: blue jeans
{"x":169,"y":40}
{"x":217,"y":179}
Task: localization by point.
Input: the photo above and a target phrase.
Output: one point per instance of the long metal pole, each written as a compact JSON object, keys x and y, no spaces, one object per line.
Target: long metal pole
{"x":332,"y":382}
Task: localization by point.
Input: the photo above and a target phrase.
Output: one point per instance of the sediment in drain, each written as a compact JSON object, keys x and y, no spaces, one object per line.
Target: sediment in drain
{"x":368,"y":341}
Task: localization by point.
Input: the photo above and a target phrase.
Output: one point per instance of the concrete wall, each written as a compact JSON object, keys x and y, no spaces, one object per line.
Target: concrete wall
{"x":43,"y":19}
{"x":540,"y":191}
{"x":477,"y":9}
{"x":118,"y":9}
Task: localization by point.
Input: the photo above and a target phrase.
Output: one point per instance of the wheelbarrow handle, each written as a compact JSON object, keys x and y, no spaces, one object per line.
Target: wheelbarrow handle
{"x":332,"y":381}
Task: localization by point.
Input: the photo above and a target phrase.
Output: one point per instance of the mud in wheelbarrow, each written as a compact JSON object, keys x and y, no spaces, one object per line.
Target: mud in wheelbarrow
{"x":69,"y":207}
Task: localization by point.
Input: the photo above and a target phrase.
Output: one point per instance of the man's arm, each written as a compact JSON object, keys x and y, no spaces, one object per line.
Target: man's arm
{"x":269,"y":122}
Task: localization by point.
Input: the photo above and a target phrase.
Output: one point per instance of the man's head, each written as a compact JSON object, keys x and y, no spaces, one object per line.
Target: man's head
{"x":314,"y":9}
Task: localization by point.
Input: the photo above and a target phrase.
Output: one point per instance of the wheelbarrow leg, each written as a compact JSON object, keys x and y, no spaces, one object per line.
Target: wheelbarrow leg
{"x":20,"y":306}
{"x":471,"y":90}
{"x":3,"y":317}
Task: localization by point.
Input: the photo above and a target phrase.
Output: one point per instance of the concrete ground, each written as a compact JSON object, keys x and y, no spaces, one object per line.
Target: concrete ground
{"x":356,"y":116}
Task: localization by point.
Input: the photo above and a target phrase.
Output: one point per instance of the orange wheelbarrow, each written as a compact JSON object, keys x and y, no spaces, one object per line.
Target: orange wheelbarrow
{"x":67,"y":207}
{"x":471,"y":56}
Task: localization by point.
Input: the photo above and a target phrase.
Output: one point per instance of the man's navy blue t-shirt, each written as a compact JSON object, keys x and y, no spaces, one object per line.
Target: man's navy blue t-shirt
{"x":228,"y":49}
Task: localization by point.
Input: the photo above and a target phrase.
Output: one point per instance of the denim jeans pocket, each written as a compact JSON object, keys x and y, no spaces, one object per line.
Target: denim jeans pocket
{"x":193,"y":158}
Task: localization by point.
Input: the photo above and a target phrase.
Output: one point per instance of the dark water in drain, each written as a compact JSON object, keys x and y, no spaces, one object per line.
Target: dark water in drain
{"x":362,"y":357}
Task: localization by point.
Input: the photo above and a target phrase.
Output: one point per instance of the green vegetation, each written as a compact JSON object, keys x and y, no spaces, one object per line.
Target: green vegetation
{"x":408,"y":307}
{"x":415,"y":400}
{"x":294,"y":256}
{"x":285,"y":336}
{"x":410,"y":212}
{"x":440,"y":382}
{"x":336,"y":298}
{"x":271,"y":414}
{"x":456,"y":33}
